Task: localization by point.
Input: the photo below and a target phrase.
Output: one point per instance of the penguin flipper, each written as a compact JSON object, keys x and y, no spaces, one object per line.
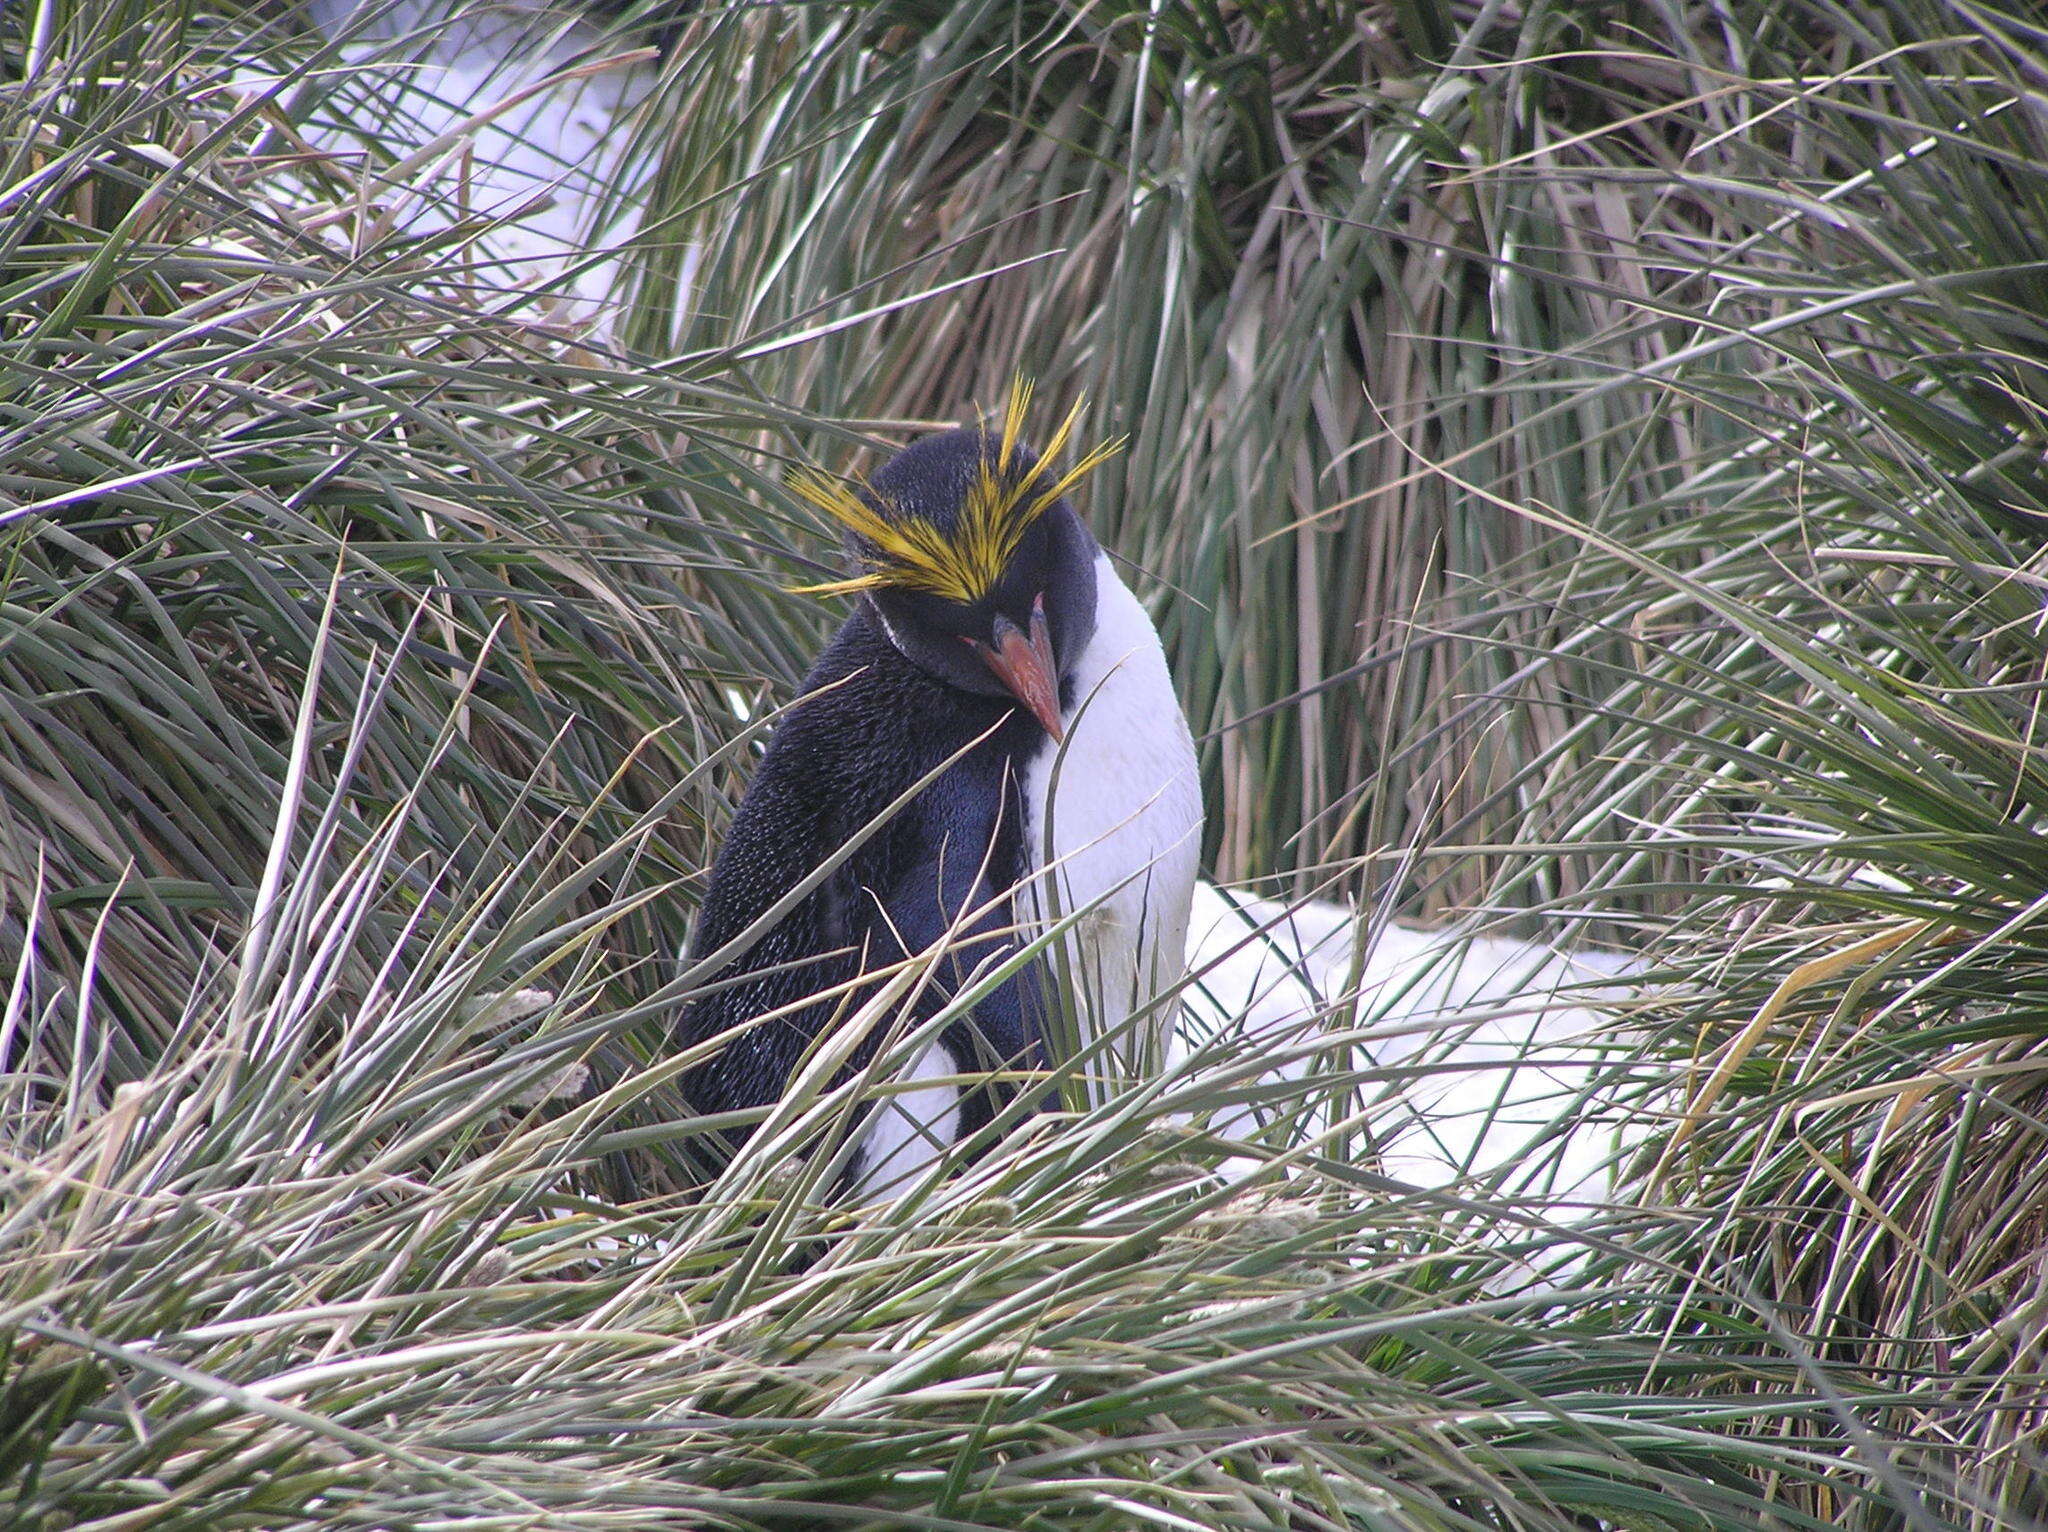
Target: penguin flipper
{"x":780,"y":836}
{"x":950,"y":894}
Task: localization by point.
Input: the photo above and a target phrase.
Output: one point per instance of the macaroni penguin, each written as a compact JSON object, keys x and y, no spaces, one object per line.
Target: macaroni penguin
{"x":992,"y":633}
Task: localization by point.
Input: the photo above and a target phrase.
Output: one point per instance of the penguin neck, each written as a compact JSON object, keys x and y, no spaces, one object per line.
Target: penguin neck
{"x":1125,"y":778}
{"x":1117,"y":688}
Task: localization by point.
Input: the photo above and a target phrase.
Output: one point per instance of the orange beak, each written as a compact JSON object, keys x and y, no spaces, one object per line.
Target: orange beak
{"x":1025,"y":667}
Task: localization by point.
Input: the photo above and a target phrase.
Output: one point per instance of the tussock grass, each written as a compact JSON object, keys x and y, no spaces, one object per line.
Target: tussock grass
{"x":1588,"y":469}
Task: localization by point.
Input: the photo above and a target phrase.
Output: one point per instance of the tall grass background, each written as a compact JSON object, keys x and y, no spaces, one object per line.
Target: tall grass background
{"x":1586,"y":463}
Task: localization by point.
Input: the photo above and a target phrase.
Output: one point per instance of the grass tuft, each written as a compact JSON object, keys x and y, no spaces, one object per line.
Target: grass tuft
{"x":1587,"y":468}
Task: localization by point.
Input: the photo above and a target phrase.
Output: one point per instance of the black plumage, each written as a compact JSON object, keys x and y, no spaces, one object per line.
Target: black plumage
{"x":839,"y":758}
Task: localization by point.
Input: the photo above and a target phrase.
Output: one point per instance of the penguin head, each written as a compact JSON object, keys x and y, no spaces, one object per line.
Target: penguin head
{"x":974,"y":563}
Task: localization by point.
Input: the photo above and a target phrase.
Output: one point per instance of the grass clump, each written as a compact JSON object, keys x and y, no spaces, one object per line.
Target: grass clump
{"x":1587,"y":466}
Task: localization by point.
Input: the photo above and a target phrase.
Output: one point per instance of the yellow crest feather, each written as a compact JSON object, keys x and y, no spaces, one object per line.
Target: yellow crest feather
{"x":911,"y":553}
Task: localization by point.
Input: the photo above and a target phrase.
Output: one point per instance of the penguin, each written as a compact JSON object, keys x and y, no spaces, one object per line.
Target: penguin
{"x":993,"y":648}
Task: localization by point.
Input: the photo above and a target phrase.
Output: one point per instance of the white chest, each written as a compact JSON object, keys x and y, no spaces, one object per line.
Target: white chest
{"x":1115,"y":832}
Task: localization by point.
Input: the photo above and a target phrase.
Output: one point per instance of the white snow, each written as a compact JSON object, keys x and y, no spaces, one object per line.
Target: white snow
{"x":550,"y":157}
{"x":1478,"y":1044}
